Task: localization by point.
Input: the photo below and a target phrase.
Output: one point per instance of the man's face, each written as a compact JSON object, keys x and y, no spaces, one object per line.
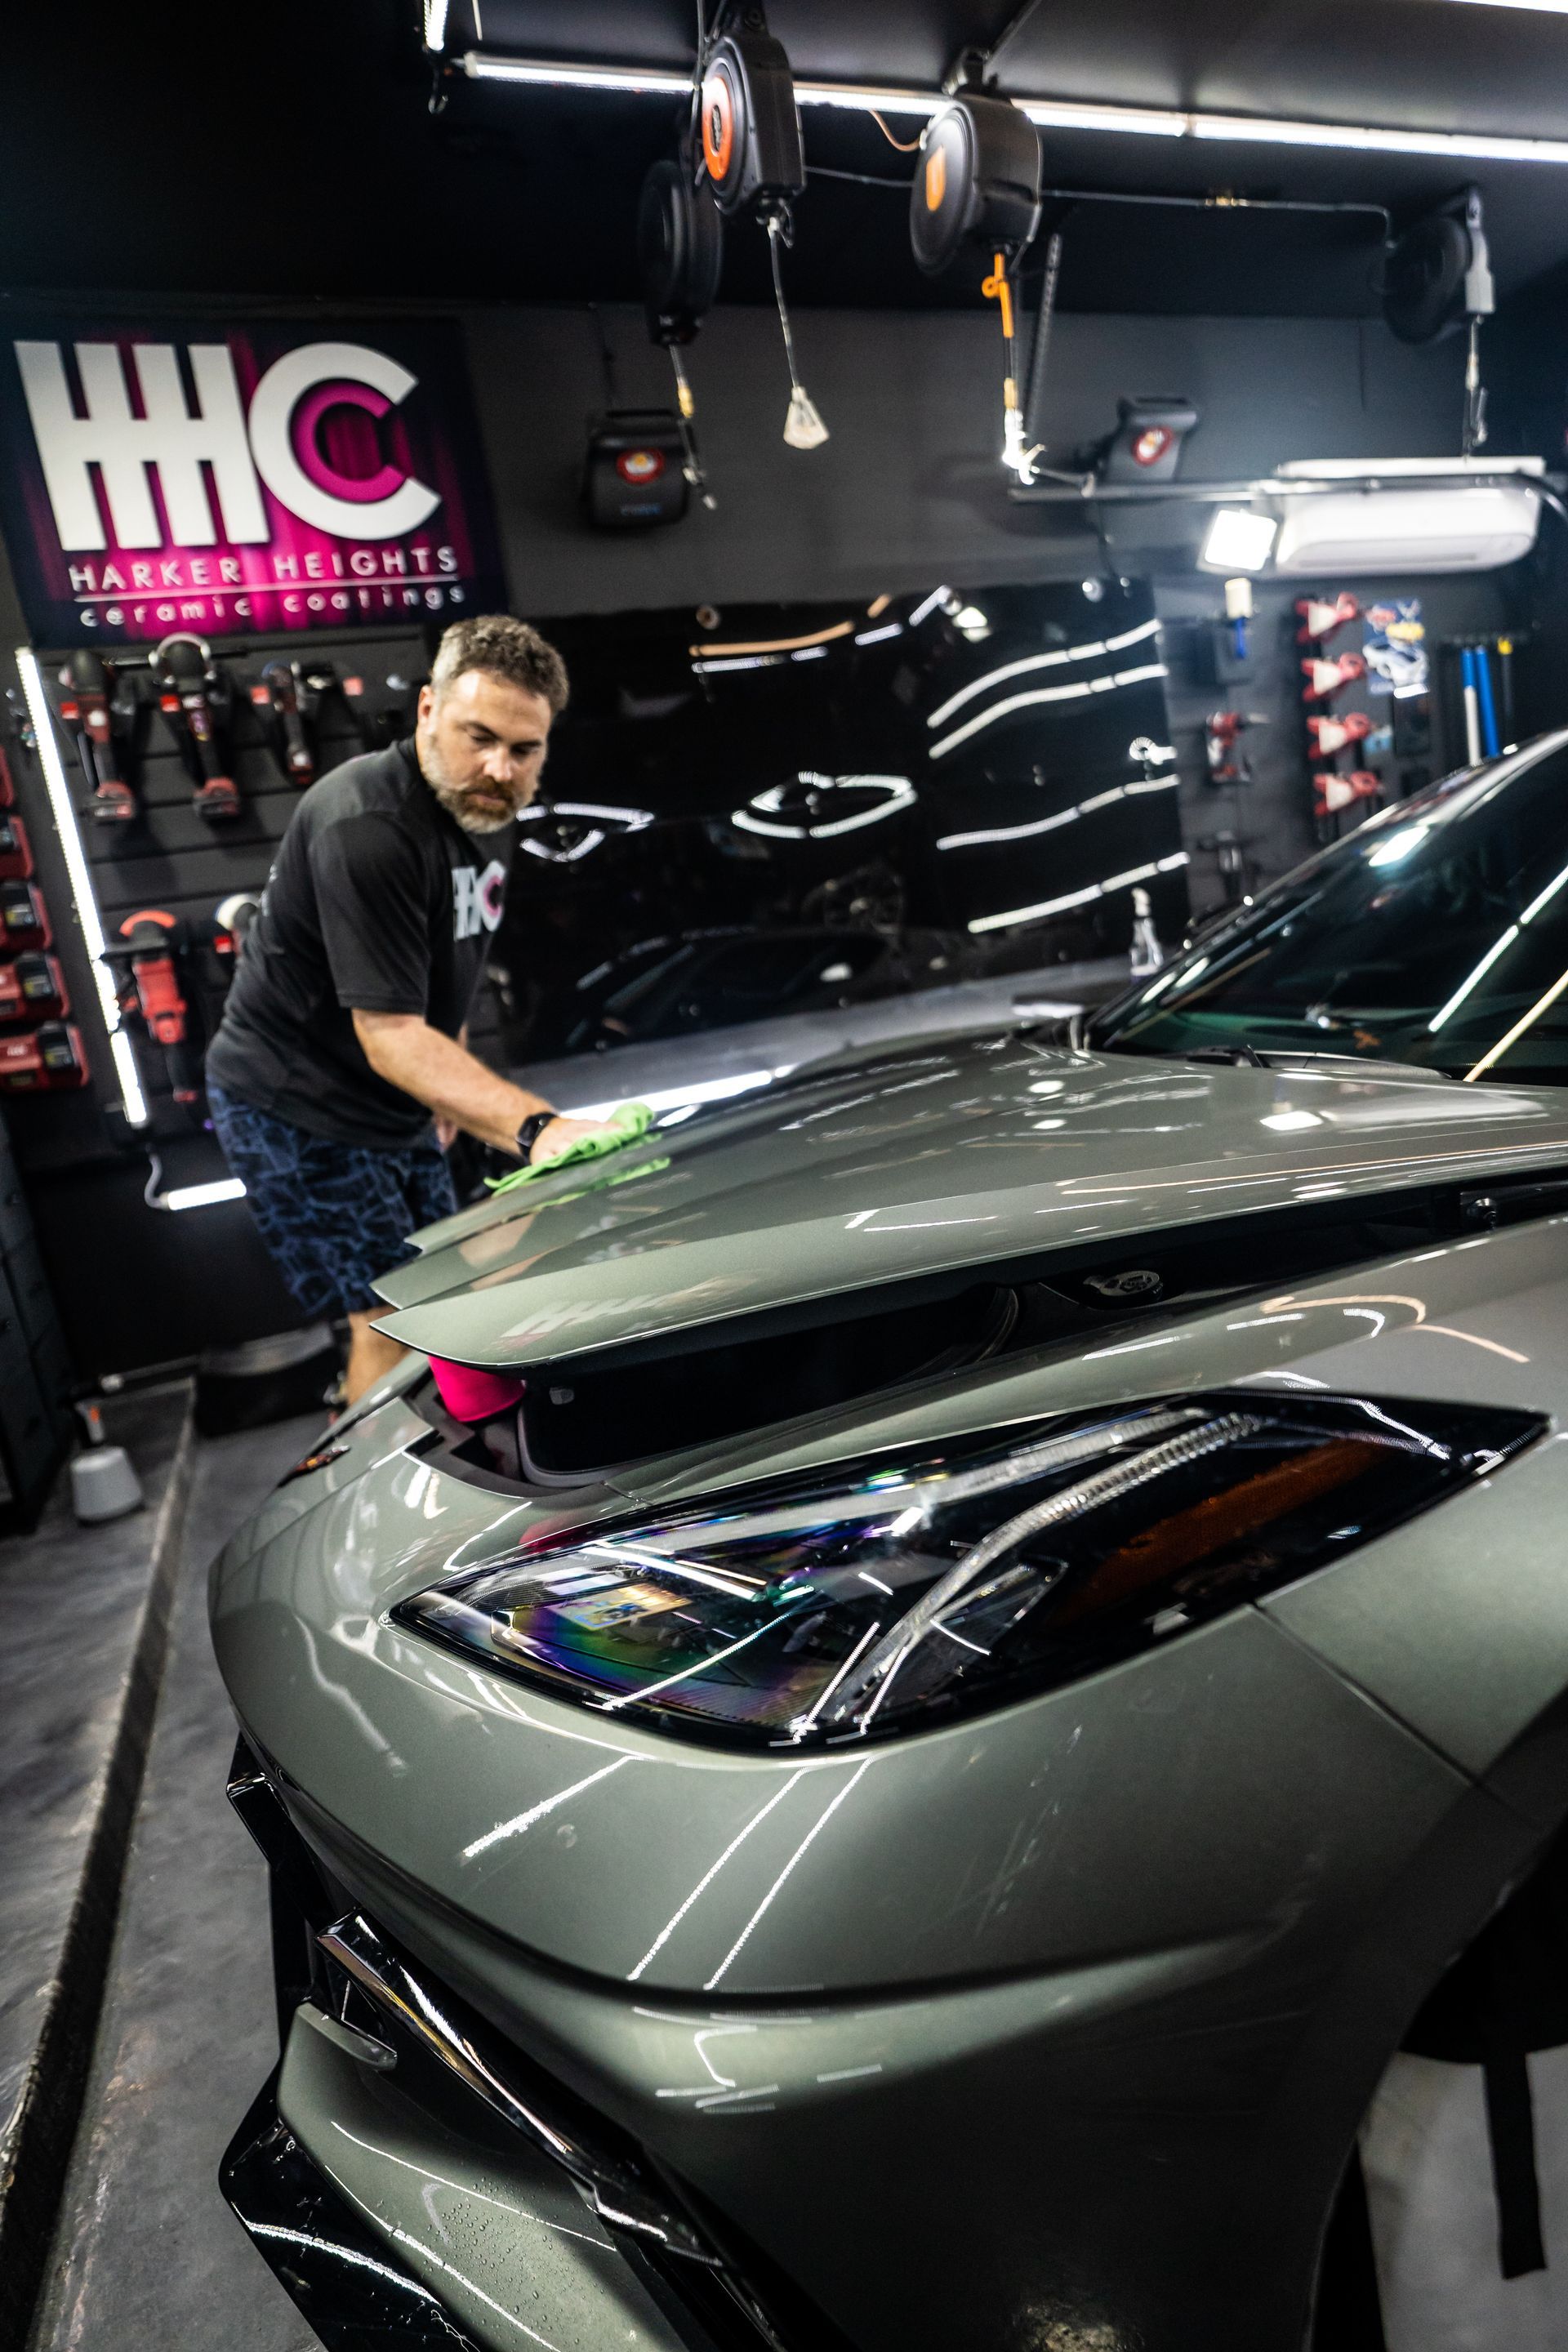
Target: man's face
{"x":482,"y":748}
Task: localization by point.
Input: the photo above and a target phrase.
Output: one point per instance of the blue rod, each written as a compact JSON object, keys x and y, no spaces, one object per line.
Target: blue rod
{"x":1490,"y":742}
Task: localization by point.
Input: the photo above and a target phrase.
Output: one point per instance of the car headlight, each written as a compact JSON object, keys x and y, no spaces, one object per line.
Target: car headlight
{"x":929,"y":1582}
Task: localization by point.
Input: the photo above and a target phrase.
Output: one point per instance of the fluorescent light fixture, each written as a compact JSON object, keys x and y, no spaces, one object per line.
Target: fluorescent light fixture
{"x":1239,"y":541}
{"x":1461,"y":145}
{"x":875,"y":637}
{"x":91,"y":923}
{"x":1061,"y":114}
{"x":204,"y":1196}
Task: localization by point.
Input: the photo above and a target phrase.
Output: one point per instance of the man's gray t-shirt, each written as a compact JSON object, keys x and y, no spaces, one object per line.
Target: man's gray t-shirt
{"x":378,"y":902}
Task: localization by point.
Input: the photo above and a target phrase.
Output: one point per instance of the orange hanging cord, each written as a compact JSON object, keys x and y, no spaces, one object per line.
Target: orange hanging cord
{"x":998,"y":288}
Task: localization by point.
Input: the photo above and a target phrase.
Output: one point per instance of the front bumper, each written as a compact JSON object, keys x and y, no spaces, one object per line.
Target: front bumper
{"x":412,"y":2179}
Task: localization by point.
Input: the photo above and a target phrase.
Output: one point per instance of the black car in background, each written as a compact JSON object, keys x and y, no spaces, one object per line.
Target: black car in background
{"x":1435,"y":934}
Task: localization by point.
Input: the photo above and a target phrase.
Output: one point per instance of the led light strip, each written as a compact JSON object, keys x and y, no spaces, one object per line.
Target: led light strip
{"x":1080,"y":898}
{"x":87,"y":914}
{"x":1057,"y":114}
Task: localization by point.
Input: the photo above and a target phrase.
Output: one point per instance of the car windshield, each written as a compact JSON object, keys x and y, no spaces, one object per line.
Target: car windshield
{"x":1437,"y":934}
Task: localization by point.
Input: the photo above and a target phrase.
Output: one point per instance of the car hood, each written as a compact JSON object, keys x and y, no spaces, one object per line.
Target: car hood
{"x":921,"y":1164}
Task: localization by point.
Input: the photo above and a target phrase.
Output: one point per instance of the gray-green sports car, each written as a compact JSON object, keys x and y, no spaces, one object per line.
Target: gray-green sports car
{"x":874,"y":1745}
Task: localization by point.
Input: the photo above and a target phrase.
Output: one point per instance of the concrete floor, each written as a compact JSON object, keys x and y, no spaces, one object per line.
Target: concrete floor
{"x":147,"y":2257}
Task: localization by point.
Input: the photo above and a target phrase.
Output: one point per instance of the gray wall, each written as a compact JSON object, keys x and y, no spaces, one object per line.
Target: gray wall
{"x":907,"y":492}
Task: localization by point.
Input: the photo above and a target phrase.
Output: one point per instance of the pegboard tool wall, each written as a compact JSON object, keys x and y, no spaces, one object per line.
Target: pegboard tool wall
{"x":1273,"y":814}
{"x":136,"y":1285}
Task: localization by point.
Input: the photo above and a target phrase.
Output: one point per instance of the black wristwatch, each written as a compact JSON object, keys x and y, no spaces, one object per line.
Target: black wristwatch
{"x":528,"y":1133}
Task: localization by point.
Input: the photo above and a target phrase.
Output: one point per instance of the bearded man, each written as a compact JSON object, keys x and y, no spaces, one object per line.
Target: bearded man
{"x":345,"y":1029}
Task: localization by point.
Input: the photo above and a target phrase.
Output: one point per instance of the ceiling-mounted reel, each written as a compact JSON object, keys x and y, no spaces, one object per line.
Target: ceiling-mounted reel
{"x":1438,"y":279}
{"x":747,"y":119}
{"x":748,"y":153}
{"x":978,"y":180}
{"x":680,"y":253}
{"x":977,"y":186}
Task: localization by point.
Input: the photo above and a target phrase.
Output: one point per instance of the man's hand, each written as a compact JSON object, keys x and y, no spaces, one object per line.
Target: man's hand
{"x":559,"y":1135}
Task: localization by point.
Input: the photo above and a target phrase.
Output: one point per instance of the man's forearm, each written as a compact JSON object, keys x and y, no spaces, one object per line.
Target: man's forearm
{"x":448,"y":1080}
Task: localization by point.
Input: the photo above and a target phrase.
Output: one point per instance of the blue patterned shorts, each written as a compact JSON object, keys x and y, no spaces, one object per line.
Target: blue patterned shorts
{"x":333,"y":1215}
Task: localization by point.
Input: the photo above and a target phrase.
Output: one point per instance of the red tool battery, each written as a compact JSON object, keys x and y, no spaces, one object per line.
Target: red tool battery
{"x":44,"y":1060}
{"x":23,"y":918}
{"x":32,"y":988}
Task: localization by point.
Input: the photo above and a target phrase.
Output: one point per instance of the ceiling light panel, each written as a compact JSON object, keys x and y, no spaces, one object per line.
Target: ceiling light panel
{"x":1065,"y":114}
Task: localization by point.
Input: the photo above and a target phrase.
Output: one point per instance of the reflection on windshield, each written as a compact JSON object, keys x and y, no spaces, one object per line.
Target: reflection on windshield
{"x":1437,"y":935}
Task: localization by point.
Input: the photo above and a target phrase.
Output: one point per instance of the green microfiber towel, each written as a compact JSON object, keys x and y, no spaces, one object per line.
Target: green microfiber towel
{"x":627,"y":1123}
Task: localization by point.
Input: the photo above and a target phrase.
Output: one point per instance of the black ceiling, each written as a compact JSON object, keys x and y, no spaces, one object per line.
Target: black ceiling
{"x":288,"y":152}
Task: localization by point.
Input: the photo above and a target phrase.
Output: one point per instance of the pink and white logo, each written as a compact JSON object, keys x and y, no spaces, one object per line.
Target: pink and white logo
{"x":276,"y":442}
{"x":263,"y":481}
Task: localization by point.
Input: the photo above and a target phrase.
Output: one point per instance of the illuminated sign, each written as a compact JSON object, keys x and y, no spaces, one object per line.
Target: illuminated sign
{"x":274,"y":477}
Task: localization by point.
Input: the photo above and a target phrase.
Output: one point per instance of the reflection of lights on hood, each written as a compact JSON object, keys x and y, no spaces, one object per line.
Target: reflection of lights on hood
{"x":1003,"y":709}
{"x":1286,"y":1122}
{"x":1080,"y":898}
{"x":1143,"y":747}
{"x":1063,"y":816}
{"x":610,"y":820}
{"x":1398,"y":845}
{"x":705,"y":1090}
{"x":1053,"y":660}
{"x":875,"y":637}
{"x":761,"y":814}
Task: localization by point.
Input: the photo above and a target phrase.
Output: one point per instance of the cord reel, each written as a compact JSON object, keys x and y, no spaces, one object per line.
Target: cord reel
{"x":978,"y":184}
{"x":681,"y":254}
{"x":1438,"y":279}
{"x":747,"y":150}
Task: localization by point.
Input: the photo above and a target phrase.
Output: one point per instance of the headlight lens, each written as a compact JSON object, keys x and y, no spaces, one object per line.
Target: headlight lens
{"x":921,"y":1585}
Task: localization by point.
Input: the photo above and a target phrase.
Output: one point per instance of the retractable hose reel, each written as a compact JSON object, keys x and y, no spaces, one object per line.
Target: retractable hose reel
{"x":978,"y":186}
{"x":1438,"y":279}
{"x":752,"y":159}
{"x":680,"y":252}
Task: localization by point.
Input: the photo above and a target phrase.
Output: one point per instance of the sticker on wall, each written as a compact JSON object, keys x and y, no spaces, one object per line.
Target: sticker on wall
{"x":1395,"y":649}
{"x":278,"y":476}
